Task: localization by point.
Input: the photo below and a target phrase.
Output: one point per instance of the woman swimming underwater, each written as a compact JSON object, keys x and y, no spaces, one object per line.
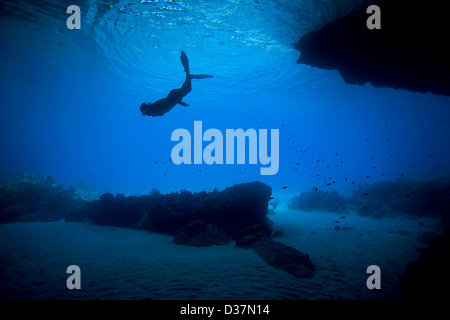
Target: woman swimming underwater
{"x":162,"y":106}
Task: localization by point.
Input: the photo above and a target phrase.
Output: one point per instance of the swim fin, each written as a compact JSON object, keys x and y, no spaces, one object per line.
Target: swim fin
{"x":200,"y":76}
{"x":184,"y":61}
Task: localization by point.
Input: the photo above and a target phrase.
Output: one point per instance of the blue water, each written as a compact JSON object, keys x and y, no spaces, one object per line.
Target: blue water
{"x":70,"y":98}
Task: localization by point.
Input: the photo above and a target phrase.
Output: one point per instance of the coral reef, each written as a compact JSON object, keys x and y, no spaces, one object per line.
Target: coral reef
{"x":414,"y":198}
{"x":429,"y":198}
{"x":31,"y":198}
{"x":318,"y":200}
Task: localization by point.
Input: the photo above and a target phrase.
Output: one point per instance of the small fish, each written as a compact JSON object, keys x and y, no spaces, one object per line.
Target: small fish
{"x":336,"y":221}
{"x":271,"y":198}
{"x":353,"y":182}
{"x":316,"y":189}
{"x":368,"y":177}
{"x":328,"y":184}
{"x":343,"y":217}
{"x":284,"y":187}
{"x":346,"y":179}
{"x":366,"y":194}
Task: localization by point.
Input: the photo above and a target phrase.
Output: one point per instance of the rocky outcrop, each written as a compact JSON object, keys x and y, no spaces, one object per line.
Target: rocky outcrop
{"x":31,"y":198}
{"x":274,"y":253}
{"x":201,"y":234}
{"x":414,"y":198}
{"x":426,"y":279}
{"x":319,"y":200}
{"x":232,"y":209}
{"x":281,"y":256}
{"x":410,"y":50}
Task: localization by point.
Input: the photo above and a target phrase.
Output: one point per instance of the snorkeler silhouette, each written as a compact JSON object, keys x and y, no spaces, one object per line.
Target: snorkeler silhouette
{"x":162,"y":106}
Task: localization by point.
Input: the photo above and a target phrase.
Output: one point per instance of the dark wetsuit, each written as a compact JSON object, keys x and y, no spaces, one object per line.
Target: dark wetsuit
{"x":175,"y":96}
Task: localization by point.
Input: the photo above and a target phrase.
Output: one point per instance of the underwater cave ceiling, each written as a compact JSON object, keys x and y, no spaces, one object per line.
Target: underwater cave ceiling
{"x":410,"y":51}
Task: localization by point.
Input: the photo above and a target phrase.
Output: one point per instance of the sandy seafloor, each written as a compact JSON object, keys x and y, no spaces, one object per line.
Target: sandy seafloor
{"x":120,"y":263}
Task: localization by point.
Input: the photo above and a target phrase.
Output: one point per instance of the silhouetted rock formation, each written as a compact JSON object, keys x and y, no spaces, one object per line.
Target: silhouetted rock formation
{"x":232,"y":209}
{"x":410,"y":51}
{"x":274,"y":253}
{"x":318,"y":200}
{"x":426,"y":278}
{"x":31,"y":198}
{"x":201,"y":234}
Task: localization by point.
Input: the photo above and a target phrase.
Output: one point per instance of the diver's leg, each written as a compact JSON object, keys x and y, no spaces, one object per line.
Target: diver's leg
{"x":187,"y":85}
